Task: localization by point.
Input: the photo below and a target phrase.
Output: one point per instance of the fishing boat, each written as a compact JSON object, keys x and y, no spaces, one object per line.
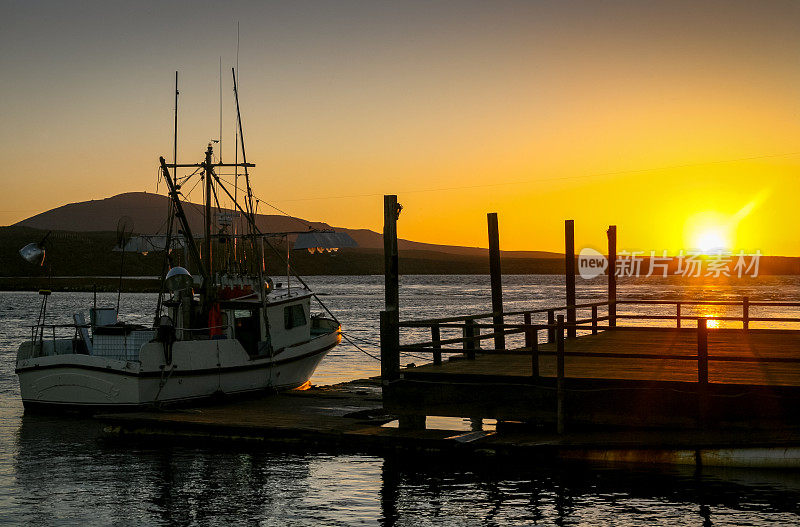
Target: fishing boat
{"x":223,"y":329}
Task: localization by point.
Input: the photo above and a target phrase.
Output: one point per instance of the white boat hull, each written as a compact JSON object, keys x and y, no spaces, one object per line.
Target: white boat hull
{"x":199,"y":369}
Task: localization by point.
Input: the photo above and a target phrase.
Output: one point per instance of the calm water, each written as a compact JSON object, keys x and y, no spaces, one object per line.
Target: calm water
{"x":56,"y":470}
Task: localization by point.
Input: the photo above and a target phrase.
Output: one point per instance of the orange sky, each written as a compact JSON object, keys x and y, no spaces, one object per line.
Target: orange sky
{"x":664,"y":118}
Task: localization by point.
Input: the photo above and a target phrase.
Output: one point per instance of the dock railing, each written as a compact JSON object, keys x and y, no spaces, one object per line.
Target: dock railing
{"x":472,"y":330}
{"x":679,"y":314}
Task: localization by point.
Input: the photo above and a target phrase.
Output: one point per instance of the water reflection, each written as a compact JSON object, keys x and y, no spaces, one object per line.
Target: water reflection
{"x":571,"y":494}
{"x":66,"y":474}
{"x":57,"y":470}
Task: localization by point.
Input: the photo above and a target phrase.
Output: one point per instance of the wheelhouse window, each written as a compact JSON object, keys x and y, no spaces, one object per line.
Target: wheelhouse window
{"x":294,"y":316}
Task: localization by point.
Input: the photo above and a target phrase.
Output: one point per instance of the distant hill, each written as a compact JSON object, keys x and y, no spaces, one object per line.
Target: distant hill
{"x":83,"y":238}
{"x":148,"y":212}
{"x":77,"y":254}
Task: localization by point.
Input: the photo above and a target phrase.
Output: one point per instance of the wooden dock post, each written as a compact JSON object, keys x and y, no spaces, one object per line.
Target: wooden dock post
{"x":560,"y":374}
{"x":469,"y":334}
{"x":391,"y":210}
{"x":612,"y":275}
{"x":436,"y":339}
{"x":678,"y":315}
{"x":702,"y":371}
{"x":532,"y":342}
{"x":569,"y":274}
{"x":746,"y":313}
{"x":496,"y":280}
{"x":390,"y":318}
{"x":594,"y":320}
{"x":551,"y":330}
{"x":702,"y":351}
{"x":390,"y":347}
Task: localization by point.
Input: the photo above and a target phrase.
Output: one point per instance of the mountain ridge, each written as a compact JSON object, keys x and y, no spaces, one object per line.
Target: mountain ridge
{"x":148,"y":213}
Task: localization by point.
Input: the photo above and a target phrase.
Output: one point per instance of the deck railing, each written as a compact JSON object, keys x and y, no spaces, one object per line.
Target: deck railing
{"x":745,"y":318}
{"x":472,"y":326}
{"x":52,"y":334}
{"x":474,"y":329}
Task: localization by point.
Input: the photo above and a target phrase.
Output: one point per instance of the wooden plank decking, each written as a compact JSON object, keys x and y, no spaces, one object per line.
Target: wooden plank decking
{"x":722,"y":344}
{"x":348,"y":417}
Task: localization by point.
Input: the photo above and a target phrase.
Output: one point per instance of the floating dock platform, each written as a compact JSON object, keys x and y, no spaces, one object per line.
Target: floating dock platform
{"x":350,"y":418}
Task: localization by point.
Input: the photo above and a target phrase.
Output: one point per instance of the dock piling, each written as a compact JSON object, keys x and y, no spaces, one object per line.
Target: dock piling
{"x":702,"y":351}
{"x":702,"y":371}
{"x":470,"y":332}
{"x":569,"y":274}
{"x":411,"y":422}
{"x":390,"y":346}
{"x":678,"y":315}
{"x":551,"y":330}
{"x":496,"y":281}
{"x":436,"y":339}
{"x":594,"y":320}
{"x":612,"y":275}
{"x":390,"y":318}
{"x":560,"y":374}
{"x":746,"y":313}
{"x":391,"y":211}
{"x":532,"y":343}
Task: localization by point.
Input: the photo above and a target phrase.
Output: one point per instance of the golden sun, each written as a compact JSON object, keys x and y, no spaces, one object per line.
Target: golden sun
{"x":711,"y":239}
{"x":709,"y":232}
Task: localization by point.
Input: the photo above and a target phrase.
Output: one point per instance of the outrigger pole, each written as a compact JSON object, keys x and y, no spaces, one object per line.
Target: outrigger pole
{"x":187,"y":231}
{"x":167,"y":258}
{"x":241,"y":139}
{"x":251,"y":212}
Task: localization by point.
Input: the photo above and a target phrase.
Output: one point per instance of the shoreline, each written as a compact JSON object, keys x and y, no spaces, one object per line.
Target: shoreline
{"x":151,"y":284}
{"x":87,"y":284}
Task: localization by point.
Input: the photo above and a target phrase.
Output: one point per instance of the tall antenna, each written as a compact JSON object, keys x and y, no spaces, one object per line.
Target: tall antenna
{"x":236,"y":156}
{"x":168,"y":261}
{"x":241,"y":140}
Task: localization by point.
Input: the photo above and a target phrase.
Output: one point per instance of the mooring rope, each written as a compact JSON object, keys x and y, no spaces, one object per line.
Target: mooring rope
{"x":373,"y":343}
{"x":359,"y":348}
{"x":156,"y":403}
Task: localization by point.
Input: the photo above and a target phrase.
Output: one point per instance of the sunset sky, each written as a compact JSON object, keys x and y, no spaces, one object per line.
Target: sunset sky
{"x":677,"y":121}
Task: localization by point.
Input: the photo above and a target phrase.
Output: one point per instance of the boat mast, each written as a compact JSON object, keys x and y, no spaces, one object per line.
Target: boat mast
{"x":207,"y":169}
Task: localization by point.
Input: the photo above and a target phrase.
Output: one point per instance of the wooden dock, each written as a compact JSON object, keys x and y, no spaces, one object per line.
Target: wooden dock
{"x":350,"y":418}
{"x":623,"y":377}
